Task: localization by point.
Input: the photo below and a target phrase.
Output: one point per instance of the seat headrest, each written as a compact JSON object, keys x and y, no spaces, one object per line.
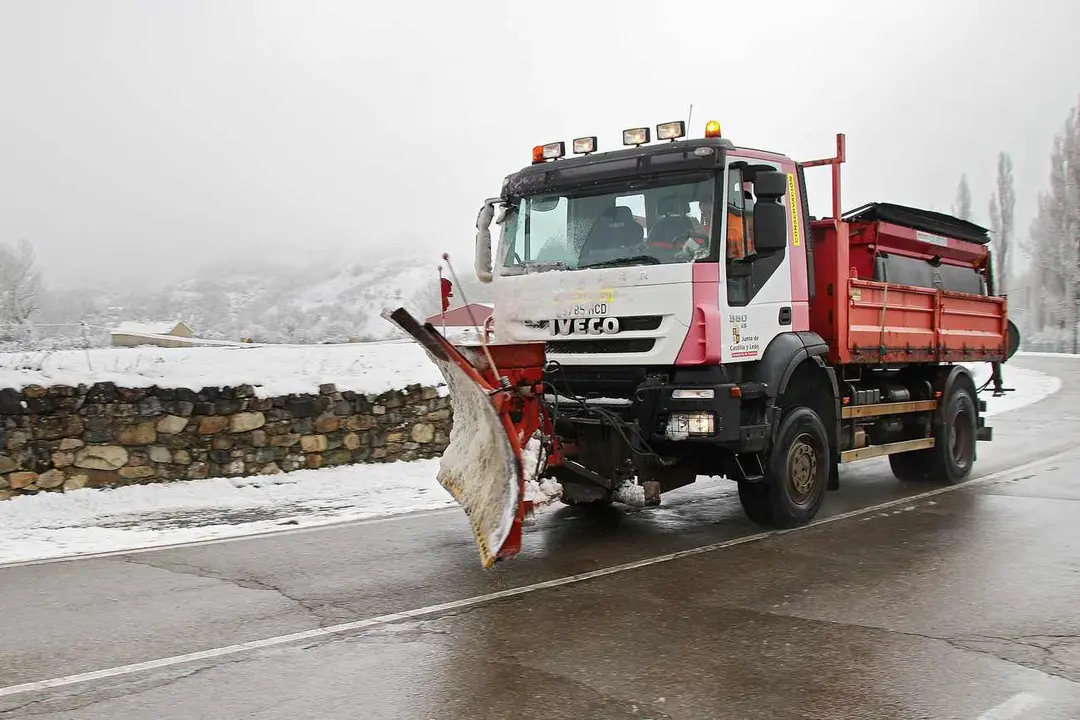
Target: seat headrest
{"x":672,"y":205}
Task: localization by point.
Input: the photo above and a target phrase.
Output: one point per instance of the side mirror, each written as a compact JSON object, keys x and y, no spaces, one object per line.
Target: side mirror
{"x":770,"y":225}
{"x":482,"y":251}
{"x":770,"y":184}
{"x":770,"y":216}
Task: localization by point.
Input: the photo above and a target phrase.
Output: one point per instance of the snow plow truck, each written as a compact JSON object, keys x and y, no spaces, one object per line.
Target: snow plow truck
{"x":670,"y":309}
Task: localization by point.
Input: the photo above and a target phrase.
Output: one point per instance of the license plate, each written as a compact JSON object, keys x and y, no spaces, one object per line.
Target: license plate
{"x":587,"y":310}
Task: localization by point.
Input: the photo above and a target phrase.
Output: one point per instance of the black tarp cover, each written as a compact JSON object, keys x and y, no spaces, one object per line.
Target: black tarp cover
{"x":925,"y":220}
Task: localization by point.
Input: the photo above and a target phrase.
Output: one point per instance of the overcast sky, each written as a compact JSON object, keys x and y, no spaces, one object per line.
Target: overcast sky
{"x":158,"y":136}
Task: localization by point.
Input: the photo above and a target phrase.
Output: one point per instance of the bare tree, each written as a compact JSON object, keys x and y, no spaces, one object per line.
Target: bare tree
{"x":962,"y":207}
{"x":1035,"y":248}
{"x":1054,"y":245}
{"x":995,"y":235}
{"x":1070,"y":149}
{"x":20,"y":283}
{"x":1007,"y":203}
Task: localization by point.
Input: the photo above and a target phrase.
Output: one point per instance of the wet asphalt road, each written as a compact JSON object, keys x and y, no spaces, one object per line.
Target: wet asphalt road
{"x":947,"y":606}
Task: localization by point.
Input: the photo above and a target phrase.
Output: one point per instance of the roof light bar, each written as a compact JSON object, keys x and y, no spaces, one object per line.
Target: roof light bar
{"x":584,"y":145}
{"x":635,"y":136}
{"x":671,"y":130}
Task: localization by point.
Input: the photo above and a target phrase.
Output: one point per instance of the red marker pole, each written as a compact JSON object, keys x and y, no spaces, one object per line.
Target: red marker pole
{"x":442,"y":300}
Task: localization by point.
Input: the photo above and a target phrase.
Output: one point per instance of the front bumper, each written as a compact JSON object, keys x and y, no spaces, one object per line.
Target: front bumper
{"x":737,"y":409}
{"x":636,"y":403}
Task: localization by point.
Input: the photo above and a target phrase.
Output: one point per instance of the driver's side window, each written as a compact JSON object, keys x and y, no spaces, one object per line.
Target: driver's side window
{"x":747,"y":269}
{"x":740,"y":221}
{"x":735,"y":240}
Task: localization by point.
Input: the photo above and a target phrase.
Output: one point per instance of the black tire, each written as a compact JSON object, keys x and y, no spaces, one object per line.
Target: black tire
{"x":951,"y":459}
{"x":754,"y":497}
{"x":796,"y":476}
{"x":910,"y":467}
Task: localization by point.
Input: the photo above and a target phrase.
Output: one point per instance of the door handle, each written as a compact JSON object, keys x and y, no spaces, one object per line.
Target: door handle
{"x":785,"y":316}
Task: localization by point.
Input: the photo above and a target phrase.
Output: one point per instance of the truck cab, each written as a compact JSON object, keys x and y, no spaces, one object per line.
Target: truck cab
{"x":686,"y":253}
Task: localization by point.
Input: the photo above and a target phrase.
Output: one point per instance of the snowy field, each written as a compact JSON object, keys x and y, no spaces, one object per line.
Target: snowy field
{"x":49,"y":525}
{"x":274,"y":370}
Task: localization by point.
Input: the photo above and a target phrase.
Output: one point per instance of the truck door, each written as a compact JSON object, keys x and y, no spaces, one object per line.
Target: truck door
{"x":756,"y":289}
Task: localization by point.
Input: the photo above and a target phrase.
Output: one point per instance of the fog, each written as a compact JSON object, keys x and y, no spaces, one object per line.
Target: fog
{"x":144,"y":140}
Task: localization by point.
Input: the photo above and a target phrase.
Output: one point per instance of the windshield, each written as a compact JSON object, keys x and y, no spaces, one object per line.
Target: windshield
{"x":640,"y":223}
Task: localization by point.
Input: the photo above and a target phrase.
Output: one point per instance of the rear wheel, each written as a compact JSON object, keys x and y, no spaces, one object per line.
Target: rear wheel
{"x":951,"y":459}
{"x":796,"y":475}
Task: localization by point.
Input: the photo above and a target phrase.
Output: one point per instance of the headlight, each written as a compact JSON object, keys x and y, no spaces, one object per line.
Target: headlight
{"x":635,"y":136}
{"x":696,"y":424}
{"x":554,"y":150}
{"x":585,"y":145}
{"x":671,"y":130}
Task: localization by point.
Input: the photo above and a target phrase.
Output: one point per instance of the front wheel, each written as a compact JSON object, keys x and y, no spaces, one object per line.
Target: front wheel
{"x":797,"y":474}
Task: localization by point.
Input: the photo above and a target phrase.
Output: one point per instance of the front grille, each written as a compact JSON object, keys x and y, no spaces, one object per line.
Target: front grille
{"x":632,"y":322}
{"x":632,"y":345}
{"x":613,"y":382}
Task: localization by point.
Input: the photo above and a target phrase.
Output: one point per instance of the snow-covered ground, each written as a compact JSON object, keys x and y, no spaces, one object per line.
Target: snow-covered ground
{"x":274,"y":370}
{"x":1026,"y":386}
{"x":85,"y":521}
{"x":90,"y":521}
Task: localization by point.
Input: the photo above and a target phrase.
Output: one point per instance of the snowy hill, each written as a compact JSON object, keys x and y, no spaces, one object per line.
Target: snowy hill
{"x":361,"y":290}
{"x":321,"y":301}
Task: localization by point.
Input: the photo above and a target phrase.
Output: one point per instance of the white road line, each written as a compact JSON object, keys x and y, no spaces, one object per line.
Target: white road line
{"x":1014,"y":707}
{"x":489,"y":597}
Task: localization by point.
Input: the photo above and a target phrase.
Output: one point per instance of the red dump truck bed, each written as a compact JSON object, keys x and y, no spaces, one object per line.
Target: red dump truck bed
{"x":900,"y":285}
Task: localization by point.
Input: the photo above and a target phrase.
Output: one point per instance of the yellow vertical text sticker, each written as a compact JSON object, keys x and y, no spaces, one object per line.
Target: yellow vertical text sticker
{"x":794,"y":206}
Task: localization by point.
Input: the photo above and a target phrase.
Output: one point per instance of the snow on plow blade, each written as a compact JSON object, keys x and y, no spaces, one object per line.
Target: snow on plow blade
{"x":484,"y":466}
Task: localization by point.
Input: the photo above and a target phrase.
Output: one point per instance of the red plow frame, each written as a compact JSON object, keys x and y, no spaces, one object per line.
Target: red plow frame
{"x":505,"y":382}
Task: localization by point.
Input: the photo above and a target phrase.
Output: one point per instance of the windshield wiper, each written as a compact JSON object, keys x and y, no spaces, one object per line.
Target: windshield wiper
{"x":633,"y":260}
{"x":552,"y":265}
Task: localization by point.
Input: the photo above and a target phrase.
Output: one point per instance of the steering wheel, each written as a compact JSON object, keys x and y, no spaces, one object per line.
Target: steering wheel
{"x":685,"y":239}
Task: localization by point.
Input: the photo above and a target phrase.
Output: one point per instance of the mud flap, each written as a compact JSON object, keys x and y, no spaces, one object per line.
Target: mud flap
{"x":484,"y":467}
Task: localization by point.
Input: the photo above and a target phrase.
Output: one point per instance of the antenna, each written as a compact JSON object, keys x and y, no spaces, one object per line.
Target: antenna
{"x":476,"y":325}
{"x":688,"y":116}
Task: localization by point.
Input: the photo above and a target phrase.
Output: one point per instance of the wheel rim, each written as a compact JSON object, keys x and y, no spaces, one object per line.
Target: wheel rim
{"x":960,"y":436}
{"x":802,"y":468}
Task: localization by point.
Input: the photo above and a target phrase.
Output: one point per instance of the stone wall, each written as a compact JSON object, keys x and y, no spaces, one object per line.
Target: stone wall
{"x":64,"y":438}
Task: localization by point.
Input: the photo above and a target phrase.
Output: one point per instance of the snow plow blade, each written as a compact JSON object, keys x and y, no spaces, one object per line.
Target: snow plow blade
{"x":496,"y":412}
